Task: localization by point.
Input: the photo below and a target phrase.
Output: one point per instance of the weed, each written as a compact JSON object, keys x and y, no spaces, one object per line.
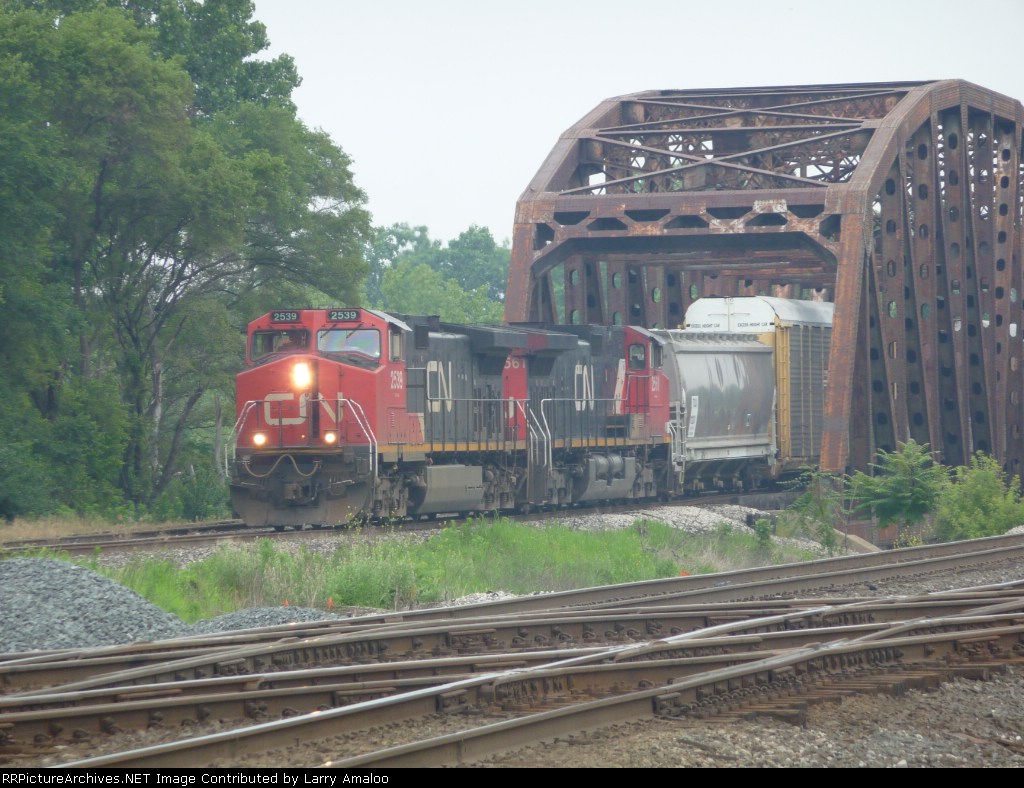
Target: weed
{"x":472,"y":557}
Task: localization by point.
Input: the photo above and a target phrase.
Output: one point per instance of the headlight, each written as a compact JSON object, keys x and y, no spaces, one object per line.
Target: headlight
{"x":330,"y":437}
{"x":259,"y":438}
{"x":302,"y":375}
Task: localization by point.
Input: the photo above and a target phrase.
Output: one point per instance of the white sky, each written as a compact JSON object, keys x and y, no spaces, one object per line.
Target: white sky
{"x":449,"y":107}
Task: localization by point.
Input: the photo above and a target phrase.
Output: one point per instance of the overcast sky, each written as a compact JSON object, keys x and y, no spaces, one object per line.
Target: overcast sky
{"x":449,"y":107}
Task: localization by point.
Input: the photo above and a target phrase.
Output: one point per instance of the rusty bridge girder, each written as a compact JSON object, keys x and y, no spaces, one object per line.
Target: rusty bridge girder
{"x":900,"y":202}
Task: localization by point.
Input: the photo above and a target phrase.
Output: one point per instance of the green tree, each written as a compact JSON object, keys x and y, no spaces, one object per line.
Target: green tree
{"x":216,"y":42}
{"x":26,"y":478}
{"x":906,"y":485}
{"x":385,"y":248}
{"x":979,"y":502}
{"x":463,"y":281}
{"x":164,"y":172}
{"x":474,"y":260}
{"x":417,"y":289}
{"x":35,"y":312}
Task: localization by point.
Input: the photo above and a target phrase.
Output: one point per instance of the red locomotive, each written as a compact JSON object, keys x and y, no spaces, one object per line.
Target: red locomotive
{"x":346,"y":414}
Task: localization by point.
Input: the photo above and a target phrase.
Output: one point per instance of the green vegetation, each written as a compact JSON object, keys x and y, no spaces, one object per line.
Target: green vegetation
{"x":462,"y":282}
{"x":820,"y":507}
{"x":981,"y":501}
{"x":475,"y":557}
{"x":159,"y":191}
{"x":906,"y":487}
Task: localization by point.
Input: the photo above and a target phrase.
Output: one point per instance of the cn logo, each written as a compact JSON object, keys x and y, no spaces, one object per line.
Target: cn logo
{"x":272,"y":414}
{"x":278,"y":420}
{"x":443,"y":386}
{"x":583,"y":387}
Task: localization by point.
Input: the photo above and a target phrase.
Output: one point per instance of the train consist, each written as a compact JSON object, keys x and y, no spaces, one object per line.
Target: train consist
{"x":349,"y":414}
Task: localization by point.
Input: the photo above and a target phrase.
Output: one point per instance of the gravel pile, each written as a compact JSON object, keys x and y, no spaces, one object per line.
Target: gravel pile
{"x":50,"y":604}
{"x":691,"y":519}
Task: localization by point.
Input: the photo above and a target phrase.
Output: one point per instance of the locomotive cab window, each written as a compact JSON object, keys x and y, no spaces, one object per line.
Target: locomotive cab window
{"x":637,"y":356}
{"x":266,"y":343}
{"x":350,"y":344}
{"x":656,"y":356}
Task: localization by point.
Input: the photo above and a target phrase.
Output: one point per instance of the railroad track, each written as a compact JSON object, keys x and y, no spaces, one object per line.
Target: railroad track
{"x":447,"y":630}
{"x":723,"y":670}
{"x":699,"y":646}
{"x":123,"y":703}
{"x":197,"y":534}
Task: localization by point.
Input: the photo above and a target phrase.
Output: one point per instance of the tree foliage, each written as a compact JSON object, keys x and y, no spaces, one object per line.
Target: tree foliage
{"x":905,"y":487}
{"x":154,"y":174}
{"x":417,"y":289}
{"x":386,"y":247}
{"x":475,"y":261}
{"x":981,"y":501}
{"x":463,"y":281}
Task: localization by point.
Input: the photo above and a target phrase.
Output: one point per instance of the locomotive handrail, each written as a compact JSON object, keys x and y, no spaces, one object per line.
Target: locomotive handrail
{"x":549,"y":459}
{"x":502,"y":407}
{"x":530,"y":419}
{"x":233,"y":437}
{"x":547,"y":429}
{"x":676,"y":438}
{"x":364,"y":425}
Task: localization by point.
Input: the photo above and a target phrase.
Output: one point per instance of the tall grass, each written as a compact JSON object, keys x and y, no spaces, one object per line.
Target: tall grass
{"x":473,"y":557}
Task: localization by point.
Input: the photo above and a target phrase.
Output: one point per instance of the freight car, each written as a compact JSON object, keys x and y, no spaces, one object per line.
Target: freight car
{"x":345,"y":414}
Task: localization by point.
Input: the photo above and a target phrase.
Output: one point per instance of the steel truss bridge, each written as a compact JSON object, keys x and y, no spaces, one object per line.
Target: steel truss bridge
{"x":900,"y":202}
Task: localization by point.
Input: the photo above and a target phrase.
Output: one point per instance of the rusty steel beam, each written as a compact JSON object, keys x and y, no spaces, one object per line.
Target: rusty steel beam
{"x":900,"y":202}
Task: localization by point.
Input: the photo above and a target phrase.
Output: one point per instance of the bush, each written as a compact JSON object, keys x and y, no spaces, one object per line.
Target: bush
{"x":819,"y":507}
{"x":905,"y":488}
{"x":763,"y":531}
{"x":979,"y":502}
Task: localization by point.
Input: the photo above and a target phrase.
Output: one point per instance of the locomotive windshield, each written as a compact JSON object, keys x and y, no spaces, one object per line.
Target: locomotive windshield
{"x":340,"y":342}
{"x":265,"y":343}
